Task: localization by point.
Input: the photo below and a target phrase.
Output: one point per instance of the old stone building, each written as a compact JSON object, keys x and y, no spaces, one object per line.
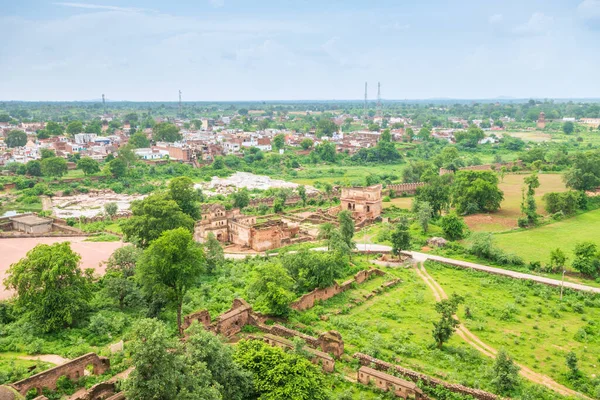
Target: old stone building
{"x":230,"y":226}
{"x":31,"y":223}
{"x":363,"y":202}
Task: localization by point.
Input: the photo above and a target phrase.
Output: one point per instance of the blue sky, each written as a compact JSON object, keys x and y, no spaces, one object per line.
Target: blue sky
{"x":303,"y":49}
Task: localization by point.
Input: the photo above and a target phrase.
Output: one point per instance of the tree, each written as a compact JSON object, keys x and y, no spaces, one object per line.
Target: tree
{"x":453,"y":226}
{"x":172,"y":264}
{"x":558,"y":259}
{"x":585,"y":171}
{"x":111,"y":209}
{"x":241,"y":198}
{"x":445,"y":327}
{"x":16,"y":138}
{"x":279,"y":141}
{"x":34,"y":168}
{"x":528,"y":206}
{"x":346,"y":228}
{"x":506,"y":373}
{"x":278,"y":205}
{"x":587,"y":259}
{"x":326,"y":127}
{"x":94,"y":126}
{"x":302,"y":193}
{"x":47,"y":153}
{"x":124,"y":260}
{"x":139,"y":140}
{"x":568,"y":127}
{"x":471,"y":137}
{"x":326,"y":151}
{"x":74,"y":127}
{"x":215,"y":256}
{"x":306,"y":143}
{"x":166,"y":132}
{"x":424,"y":214}
{"x":280,"y":375}
{"x":181,"y":190}
{"x":162,"y":369}
{"x":386,"y":136}
{"x":54,"y":166}
{"x":311,"y":269}
{"x":202,"y":347}
{"x":50,"y":286}
{"x":120,"y":269}
{"x":325,"y":231}
{"x":88,"y":165}
{"x":54,"y":129}
{"x":127,"y":154}
{"x":400,"y":238}
{"x":151,"y":217}
{"x":424,"y":134}
{"x":572,"y":364}
{"x":476,"y":191}
{"x":270,"y":289}
{"x":436,"y":192}
{"x":117,"y":167}
{"x":218,"y":163}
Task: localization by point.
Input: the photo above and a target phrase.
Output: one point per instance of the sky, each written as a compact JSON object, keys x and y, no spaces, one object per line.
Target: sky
{"x":228,"y":50}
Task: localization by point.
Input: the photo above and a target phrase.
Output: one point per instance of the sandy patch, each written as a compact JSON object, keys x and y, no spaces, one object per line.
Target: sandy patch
{"x":245,"y":180}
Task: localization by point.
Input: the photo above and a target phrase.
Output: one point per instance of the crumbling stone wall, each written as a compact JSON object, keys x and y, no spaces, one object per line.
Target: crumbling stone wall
{"x":73,"y":369}
{"x":318,"y":357}
{"x":308,"y":300}
{"x":381,"y":365}
{"x":387,"y":382}
{"x":403,"y":189}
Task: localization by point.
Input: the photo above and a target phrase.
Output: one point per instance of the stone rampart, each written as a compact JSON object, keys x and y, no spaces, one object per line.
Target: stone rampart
{"x":414,"y":376}
{"x":403,"y":189}
{"x":73,"y":370}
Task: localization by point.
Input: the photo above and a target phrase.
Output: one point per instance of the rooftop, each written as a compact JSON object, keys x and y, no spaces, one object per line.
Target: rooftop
{"x":31,"y":220}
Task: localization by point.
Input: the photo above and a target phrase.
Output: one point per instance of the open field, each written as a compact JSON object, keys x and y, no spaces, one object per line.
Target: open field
{"x":93,"y":254}
{"x":529,"y":321}
{"x":345,"y":175}
{"x":535,"y":244}
{"x":510,"y":210}
{"x":531,"y":136}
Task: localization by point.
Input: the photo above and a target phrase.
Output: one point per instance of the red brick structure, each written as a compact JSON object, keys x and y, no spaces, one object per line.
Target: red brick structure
{"x":541,"y":122}
{"x":387,"y":382}
{"x":363,"y":202}
{"x":317,"y":357}
{"x":73,"y":370}
{"x":404,"y":189}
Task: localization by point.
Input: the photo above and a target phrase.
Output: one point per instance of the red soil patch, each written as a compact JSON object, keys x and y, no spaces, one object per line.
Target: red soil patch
{"x":93,"y":254}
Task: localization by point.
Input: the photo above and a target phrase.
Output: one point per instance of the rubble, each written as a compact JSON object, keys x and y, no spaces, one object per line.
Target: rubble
{"x":90,"y":204}
{"x":246,"y":180}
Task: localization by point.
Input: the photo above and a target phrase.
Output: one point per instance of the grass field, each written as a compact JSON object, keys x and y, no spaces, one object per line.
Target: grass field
{"x":529,"y":321}
{"x":345,"y":175}
{"x":510,"y":209}
{"x":536,"y":244}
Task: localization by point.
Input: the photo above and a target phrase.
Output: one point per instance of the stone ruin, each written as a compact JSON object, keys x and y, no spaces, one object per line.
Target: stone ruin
{"x":73,"y":370}
{"x":387,"y":382}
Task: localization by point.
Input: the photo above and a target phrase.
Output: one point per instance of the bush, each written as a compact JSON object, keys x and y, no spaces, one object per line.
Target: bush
{"x":386,"y":199}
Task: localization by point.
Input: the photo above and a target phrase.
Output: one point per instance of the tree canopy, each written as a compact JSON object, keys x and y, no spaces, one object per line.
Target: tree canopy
{"x":16,"y":138}
{"x":166,"y":132}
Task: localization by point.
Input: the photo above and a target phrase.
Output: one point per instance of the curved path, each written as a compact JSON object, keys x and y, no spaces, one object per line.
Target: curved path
{"x":421,"y":257}
{"x":487,"y":350}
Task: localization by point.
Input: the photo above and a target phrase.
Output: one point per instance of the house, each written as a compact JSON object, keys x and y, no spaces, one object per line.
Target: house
{"x":31,"y":224}
{"x":363,"y":202}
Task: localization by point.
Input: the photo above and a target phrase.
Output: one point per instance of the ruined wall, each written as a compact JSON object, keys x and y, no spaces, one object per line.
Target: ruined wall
{"x":405,"y":188}
{"x":308,"y":300}
{"x":73,"y":369}
{"x":385,"y":382}
{"x":318,"y":357}
{"x":381,"y":365}
{"x":266,"y":238}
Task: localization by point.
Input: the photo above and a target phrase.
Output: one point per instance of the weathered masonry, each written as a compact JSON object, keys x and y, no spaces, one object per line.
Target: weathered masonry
{"x":317,"y":357}
{"x":363,"y":202}
{"x":73,"y":370}
{"x":387,"y":382}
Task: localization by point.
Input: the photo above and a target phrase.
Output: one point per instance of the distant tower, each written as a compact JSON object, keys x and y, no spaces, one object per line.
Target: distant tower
{"x":180,"y":103}
{"x":103,"y":103}
{"x":541,"y":122}
{"x":365,"y":113}
{"x":379,"y":111}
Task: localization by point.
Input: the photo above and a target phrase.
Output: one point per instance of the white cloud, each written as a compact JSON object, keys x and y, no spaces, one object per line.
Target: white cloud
{"x":538,"y":24}
{"x":217,"y":3}
{"x":496,"y":19}
{"x":589,"y":11}
{"x":99,"y":7}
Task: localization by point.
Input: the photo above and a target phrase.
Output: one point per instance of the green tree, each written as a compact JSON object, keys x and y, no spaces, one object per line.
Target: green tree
{"x":326,"y":127}
{"x":151,"y":217}
{"x":88,"y":165}
{"x":279,"y":141}
{"x":386,"y":136}
{"x":162,"y":369}
{"x":241,"y":198}
{"x":302,"y":193}
{"x":528,"y":206}
{"x":424,"y":215}
{"x":117,"y":167}
{"x":346,"y":224}
{"x":124,"y":260}
{"x":166,"y":132}
{"x":306,"y":143}
{"x":94,"y":126}
{"x":127,"y":154}
{"x":280,"y":375}
{"x":172,"y":264}
{"x":270,"y":289}
{"x":215,"y":256}
{"x":505,"y":373}
{"x":74,"y":127}
{"x":139,"y":140}
{"x":476,"y":191}
{"x":326,"y":151}
{"x":50,"y":286}
{"x":558,"y":259}
{"x":218,"y":163}
{"x":436,"y":192}
{"x":453,"y":226}
{"x":311,"y":269}
{"x":47,"y":153}
{"x":111,"y":209}
{"x":181,"y":190}
{"x":471,"y":137}
{"x":568,"y":127}
{"x":572,"y":364}
{"x":445,"y":327}
{"x":16,"y":138}
{"x":278,"y":205}
{"x":54,"y":166}
{"x":424,"y":134}
{"x":587,"y":259}
{"x":54,"y":128}
{"x":34,"y":168}
{"x":400,"y":238}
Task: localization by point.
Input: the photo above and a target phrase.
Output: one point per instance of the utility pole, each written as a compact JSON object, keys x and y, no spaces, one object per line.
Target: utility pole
{"x":562,"y":283}
{"x":365,"y":112}
{"x":103,"y":104}
{"x":379,"y":111}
